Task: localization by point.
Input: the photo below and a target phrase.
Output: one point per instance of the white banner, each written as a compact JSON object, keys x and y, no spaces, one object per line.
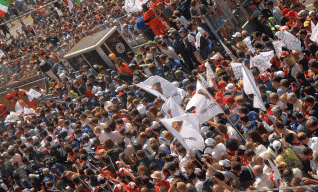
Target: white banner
{"x":162,"y":88}
{"x":268,"y":55}
{"x":33,"y":94}
{"x":260,"y":62}
{"x":132,"y":6}
{"x":171,"y":109}
{"x":237,"y":69}
{"x":313,"y":26}
{"x":278,"y":46}
{"x":251,"y":88}
{"x":209,"y":74}
{"x":18,"y":108}
{"x":314,"y":32}
{"x":204,"y":82}
{"x":185,"y":129}
{"x":205,"y":105}
{"x":248,"y":43}
{"x":292,"y":42}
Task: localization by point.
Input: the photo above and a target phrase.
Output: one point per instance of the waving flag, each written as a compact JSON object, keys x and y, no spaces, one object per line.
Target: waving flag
{"x":171,"y":109}
{"x":162,"y":88}
{"x":205,"y":105}
{"x":33,"y":94}
{"x":132,"y":6}
{"x":251,"y":88}
{"x":185,"y":129}
{"x":209,"y":74}
{"x":79,"y":1}
{"x":3,"y":7}
{"x":70,"y":4}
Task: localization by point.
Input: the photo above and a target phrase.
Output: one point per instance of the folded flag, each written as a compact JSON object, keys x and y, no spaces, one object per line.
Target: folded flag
{"x":4,"y":5}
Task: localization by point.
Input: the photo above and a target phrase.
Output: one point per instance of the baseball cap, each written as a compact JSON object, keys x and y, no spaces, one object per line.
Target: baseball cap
{"x":237,"y":34}
{"x":307,"y":23}
{"x":302,"y":13}
{"x":215,"y":57}
{"x":277,"y":144}
{"x":229,"y":99}
{"x":120,"y":94}
{"x":99,"y":93}
{"x":285,"y":54}
{"x":225,"y":163}
{"x":210,"y":142}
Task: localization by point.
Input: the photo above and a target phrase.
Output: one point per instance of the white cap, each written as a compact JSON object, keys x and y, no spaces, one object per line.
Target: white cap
{"x":297,"y":173}
{"x":204,"y":129}
{"x":277,"y":144}
{"x":99,"y":93}
{"x":237,"y":34}
{"x":215,"y":57}
{"x":119,"y":89}
{"x":132,"y":185}
{"x":100,"y":177}
{"x":210,"y":142}
{"x":230,"y":87}
{"x":225,"y":163}
{"x":10,"y":147}
{"x":280,"y":74}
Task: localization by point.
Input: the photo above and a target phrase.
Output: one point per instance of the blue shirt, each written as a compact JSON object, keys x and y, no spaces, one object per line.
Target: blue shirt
{"x":160,"y":73}
{"x":294,"y":125}
{"x":140,"y":23}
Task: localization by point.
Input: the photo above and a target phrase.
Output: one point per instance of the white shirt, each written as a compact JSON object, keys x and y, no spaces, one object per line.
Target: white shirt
{"x":191,"y":38}
{"x":263,"y":182}
{"x":218,"y":150}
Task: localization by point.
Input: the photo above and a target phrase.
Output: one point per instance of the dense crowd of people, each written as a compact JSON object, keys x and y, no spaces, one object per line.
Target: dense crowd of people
{"x":96,"y":130}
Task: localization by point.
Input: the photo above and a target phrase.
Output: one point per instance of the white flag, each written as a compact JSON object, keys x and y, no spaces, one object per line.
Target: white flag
{"x":162,"y":88}
{"x":204,"y":82}
{"x":209,"y":74}
{"x":205,"y":105}
{"x":313,"y":26}
{"x":185,"y":129}
{"x":237,"y":69}
{"x":18,"y":108}
{"x":292,"y":42}
{"x":12,"y":117}
{"x":260,"y":62}
{"x":70,"y":4}
{"x":33,"y":94}
{"x":278,"y":46}
{"x":171,"y":109}
{"x":251,"y":88}
{"x":314,"y":32}
{"x":132,"y":6}
{"x":28,"y":110}
{"x":268,"y":55}
{"x":248,"y":43}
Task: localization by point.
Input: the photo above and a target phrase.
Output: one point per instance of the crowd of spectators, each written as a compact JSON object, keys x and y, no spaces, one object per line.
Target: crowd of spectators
{"x":95,"y":130}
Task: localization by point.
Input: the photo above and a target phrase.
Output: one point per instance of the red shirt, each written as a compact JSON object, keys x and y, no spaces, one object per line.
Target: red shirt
{"x":162,"y":183}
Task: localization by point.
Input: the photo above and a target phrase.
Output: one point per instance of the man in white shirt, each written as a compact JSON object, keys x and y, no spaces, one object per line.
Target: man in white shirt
{"x":292,"y":99}
{"x":262,"y":181}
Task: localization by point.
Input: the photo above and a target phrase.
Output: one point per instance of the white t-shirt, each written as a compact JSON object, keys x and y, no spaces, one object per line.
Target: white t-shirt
{"x":192,"y":35}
